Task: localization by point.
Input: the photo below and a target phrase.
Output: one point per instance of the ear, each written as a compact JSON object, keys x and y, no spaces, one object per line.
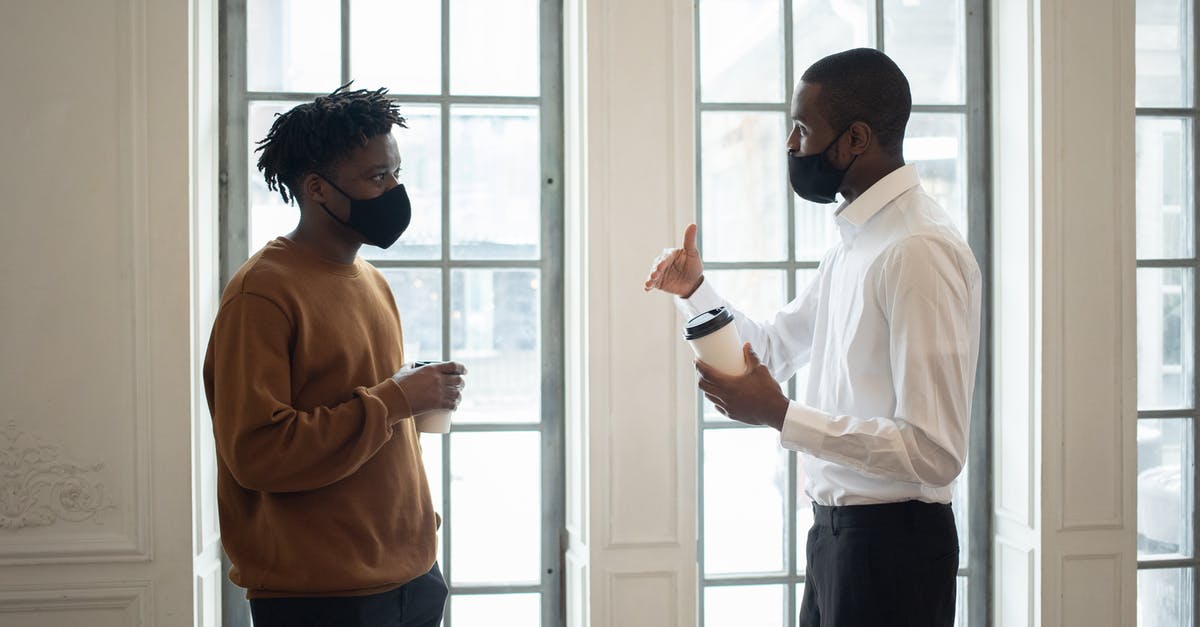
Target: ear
{"x":861,"y":137}
{"x":313,"y":186}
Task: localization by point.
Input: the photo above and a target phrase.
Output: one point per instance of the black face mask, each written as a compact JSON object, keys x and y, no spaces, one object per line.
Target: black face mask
{"x":380,"y":220}
{"x":814,"y":178}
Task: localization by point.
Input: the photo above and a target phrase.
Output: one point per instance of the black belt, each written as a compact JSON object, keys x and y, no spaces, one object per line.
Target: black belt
{"x":912,"y":514}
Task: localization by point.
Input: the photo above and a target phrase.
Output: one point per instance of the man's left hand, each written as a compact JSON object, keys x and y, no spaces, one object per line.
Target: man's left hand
{"x":754,"y":398}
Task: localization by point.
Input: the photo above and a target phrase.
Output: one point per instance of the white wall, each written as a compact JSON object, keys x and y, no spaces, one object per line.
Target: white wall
{"x":1065,"y":374}
{"x":97,"y":357}
{"x":631,"y":431}
{"x":106,"y":260}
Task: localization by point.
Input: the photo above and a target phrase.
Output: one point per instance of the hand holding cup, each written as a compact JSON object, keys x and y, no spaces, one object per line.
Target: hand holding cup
{"x":433,"y":390}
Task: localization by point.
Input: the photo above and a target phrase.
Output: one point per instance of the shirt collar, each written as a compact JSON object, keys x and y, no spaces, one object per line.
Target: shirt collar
{"x":878,"y":196}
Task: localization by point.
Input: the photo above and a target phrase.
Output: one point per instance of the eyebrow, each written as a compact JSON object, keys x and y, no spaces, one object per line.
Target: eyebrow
{"x":386,"y":167}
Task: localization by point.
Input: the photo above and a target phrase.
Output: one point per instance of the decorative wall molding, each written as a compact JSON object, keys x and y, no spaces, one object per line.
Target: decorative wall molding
{"x":1091,"y":590}
{"x":132,"y":485}
{"x":643,"y":598}
{"x":1092,"y":236}
{"x":135,"y":598}
{"x":40,"y":486}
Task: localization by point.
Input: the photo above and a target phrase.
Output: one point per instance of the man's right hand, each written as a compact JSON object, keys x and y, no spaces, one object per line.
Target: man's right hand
{"x":436,"y":386}
{"x":678,"y":271}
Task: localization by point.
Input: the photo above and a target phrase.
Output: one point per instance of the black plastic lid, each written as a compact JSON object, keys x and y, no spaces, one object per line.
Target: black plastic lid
{"x":707,"y":323}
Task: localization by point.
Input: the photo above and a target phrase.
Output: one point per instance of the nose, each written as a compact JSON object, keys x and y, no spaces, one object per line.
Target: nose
{"x":793,"y":141}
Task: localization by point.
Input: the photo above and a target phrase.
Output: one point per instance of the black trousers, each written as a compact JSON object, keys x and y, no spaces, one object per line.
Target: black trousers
{"x":888,"y":565}
{"x":418,"y":603}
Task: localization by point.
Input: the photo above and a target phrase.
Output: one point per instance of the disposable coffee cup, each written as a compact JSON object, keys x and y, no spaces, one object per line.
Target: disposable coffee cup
{"x":715,"y":340}
{"x":436,"y":421}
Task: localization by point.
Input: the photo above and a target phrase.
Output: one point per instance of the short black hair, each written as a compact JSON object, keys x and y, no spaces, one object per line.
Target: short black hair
{"x":314,"y":136}
{"x":864,"y":85}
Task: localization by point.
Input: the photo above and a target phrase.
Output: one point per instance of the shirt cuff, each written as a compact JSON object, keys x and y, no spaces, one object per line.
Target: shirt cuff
{"x":803,"y":428}
{"x":703,"y":299}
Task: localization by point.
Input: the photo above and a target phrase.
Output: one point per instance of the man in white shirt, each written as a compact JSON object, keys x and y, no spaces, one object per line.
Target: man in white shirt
{"x":890,"y":327}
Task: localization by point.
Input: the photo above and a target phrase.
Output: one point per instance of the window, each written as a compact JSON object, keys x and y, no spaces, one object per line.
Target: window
{"x":1166,"y":312}
{"x":762,"y":245}
{"x":478,"y":276}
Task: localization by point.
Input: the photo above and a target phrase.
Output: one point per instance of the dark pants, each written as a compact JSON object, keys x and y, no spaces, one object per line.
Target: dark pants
{"x":418,"y":603}
{"x":888,"y":565}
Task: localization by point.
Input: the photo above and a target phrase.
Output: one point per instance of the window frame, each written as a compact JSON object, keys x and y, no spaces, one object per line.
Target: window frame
{"x":977,"y":112}
{"x":1190,"y":114}
{"x":234,"y":232}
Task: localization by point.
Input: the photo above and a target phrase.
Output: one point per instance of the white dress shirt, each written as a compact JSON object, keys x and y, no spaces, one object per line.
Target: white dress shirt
{"x":890,"y":327}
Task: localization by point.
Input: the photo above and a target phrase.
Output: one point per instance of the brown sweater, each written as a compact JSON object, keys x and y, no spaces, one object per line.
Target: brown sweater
{"x":320,"y":483}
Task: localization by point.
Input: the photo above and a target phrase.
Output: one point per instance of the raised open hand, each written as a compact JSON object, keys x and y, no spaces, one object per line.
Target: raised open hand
{"x":678,"y":271}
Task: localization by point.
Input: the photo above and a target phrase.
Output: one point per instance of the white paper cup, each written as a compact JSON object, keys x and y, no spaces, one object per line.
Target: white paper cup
{"x":715,"y":340}
{"x":436,"y":421}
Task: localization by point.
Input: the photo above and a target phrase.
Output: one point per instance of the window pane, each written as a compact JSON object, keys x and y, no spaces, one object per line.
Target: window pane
{"x":741,"y":51}
{"x":1164,"y":482}
{"x":960,"y":611}
{"x":927,"y":40}
{"x":495,"y":191}
{"x":745,"y":479}
{"x":1165,"y":598}
{"x":421,"y":172}
{"x":494,"y":49}
{"x":431,"y":457}
{"x":960,"y":504}
{"x":816,"y":231}
{"x":1164,"y":188}
{"x":1165,"y":321}
{"x":418,"y":295}
{"x":488,"y":610}
{"x":756,"y":293}
{"x":739,"y":606}
{"x":744,"y":186}
{"x":804,"y":522}
{"x":1164,"y":53}
{"x":495,"y":531}
{"x":270,"y":217}
{"x":396,"y":44}
{"x":495,"y":331}
{"x":823,"y":27}
{"x":937,"y":144}
{"x":293,"y":45}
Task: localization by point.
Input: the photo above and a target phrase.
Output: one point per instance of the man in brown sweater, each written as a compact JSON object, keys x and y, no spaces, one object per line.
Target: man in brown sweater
{"x":324,"y":504}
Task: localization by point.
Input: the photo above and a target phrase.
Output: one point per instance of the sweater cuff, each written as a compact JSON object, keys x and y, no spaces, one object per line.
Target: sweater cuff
{"x":803,"y":428}
{"x":393,"y":398}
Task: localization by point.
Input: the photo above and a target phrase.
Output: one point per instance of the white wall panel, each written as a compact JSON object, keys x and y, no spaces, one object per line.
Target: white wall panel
{"x":75,"y":371}
{"x":644,"y":598}
{"x":95,"y":606}
{"x":1091,"y":591}
{"x":95,"y":255}
{"x":1065,"y":329}
{"x":631,"y":412}
{"x":1089,"y":287}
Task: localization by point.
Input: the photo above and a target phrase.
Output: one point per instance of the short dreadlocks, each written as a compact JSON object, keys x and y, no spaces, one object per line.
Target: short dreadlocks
{"x":314,"y":136}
